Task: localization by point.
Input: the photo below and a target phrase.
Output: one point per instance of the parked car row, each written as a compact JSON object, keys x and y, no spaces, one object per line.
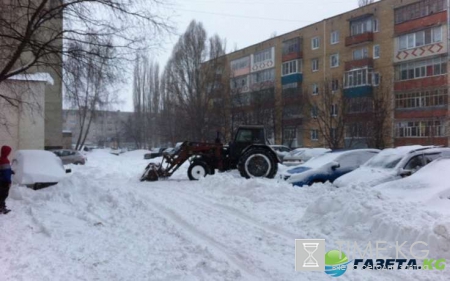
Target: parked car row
{"x":364,"y":166}
{"x":70,"y":156}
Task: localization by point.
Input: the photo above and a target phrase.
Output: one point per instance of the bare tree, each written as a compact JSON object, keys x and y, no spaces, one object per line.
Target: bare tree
{"x":362,"y":3}
{"x":192,"y":81}
{"x":146,"y":99}
{"x":327,"y":109}
{"x":32,"y":32}
{"x":87,"y":84}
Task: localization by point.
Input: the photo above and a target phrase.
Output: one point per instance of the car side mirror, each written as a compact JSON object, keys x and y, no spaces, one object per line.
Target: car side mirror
{"x":405,"y":173}
{"x":335,"y":165}
{"x":68,"y":171}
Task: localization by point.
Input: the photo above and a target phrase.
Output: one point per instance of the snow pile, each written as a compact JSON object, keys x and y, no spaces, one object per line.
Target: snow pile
{"x":38,"y":77}
{"x":426,"y":186}
{"x":101,"y":223}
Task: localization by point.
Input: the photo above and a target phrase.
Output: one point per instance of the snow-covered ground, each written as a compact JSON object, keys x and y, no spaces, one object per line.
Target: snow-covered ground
{"x":101,"y":223}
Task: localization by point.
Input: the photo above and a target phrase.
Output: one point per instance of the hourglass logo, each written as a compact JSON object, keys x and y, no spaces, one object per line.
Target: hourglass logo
{"x":309,"y":254}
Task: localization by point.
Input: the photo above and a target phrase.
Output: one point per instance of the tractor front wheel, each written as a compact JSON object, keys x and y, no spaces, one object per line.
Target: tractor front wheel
{"x":257,"y":163}
{"x":198,"y":170}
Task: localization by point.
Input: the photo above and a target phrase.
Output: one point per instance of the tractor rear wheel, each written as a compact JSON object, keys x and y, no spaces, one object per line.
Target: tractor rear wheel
{"x":257,"y":163}
{"x":198,"y":170}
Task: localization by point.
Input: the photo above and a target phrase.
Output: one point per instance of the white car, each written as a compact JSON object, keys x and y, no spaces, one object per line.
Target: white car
{"x":37,"y":168}
{"x":428,"y":186}
{"x":302,"y":155}
{"x":391,"y":164}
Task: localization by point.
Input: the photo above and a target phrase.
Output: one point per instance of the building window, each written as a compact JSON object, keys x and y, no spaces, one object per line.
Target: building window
{"x":290,"y":67}
{"x":419,"y":129}
{"x":359,"y":54}
{"x":334,"y":60}
{"x":315,"y":89}
{"x":291,"y":46}
{"x":290,"y":136}
{"x":375,"y":25}
{"x":363,"y":25}
{"x":239,"y":100}
{"x":334,"y":37}
{"x":334,"y":85}
{"x":333,"y":134}
{"x":314,"y":111}
{"x":358,"y":78}
{"x":334,"y":110}
{"x":290,"y":86}
{"x":315,"y":65}
{"x":355,"y":131}
{"x":239,"y":83}
{"x":240,"y":63}
{"x":292,"y":111}
{"x":267,"y":75}
{"x":420,"y":38}
{"x":263,"y":56}
{"x":314,"y":135}
{"x":376,"y":79}
{"x":315,"y":43}
{"x":420,"y":69}
{"x":422,"y":99}
{"x":418,"y":10}
{"x":376,"y":51}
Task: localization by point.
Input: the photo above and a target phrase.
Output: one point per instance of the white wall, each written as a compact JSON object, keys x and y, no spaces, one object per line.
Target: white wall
{"x":23,"y":127}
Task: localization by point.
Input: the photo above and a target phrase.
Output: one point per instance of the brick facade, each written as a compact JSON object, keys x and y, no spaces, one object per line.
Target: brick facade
{"x":361,"y":54}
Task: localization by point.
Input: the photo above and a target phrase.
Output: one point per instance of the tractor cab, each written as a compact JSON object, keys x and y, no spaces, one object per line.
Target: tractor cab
{"x":246,"y":136}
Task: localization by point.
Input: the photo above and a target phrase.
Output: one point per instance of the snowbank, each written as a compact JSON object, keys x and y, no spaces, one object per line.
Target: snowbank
{"x":101,"y":223}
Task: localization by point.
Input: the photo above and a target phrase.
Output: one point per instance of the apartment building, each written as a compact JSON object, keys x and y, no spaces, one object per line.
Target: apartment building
{"x":384,"y":64}
{"x":107,"y":128}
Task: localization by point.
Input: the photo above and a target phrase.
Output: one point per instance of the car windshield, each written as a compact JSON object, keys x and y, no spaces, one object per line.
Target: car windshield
{"x":385,"y":160}
{"x":321,"y":160}
{"x":296,"y":152}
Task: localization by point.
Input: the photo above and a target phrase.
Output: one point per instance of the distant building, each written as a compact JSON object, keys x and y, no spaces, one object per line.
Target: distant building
{"x":107,"y":128}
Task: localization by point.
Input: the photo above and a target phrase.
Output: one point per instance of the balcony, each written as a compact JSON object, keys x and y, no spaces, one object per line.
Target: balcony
{"x":360,"y":91}
{"x":359,"y":39}
{"x":292,"y":78}
{"x":419,"y":23}
{"x":354,"y":64}
{"x":292,"y":56}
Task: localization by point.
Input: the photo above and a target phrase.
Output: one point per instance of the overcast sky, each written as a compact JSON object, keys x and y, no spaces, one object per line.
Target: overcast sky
{"x":243,"y":22}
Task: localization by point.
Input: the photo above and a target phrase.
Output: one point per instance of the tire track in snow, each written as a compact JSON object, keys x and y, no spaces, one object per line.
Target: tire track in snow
{"x":238,"y":262}
{"x":267,"y":252}
{"x":237,"y":214}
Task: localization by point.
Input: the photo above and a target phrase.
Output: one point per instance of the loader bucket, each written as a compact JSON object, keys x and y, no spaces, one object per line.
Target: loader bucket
{"x":151,"y":172}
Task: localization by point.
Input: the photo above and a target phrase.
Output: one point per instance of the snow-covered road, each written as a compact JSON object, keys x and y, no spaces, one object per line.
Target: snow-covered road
{"x":101,"y":223}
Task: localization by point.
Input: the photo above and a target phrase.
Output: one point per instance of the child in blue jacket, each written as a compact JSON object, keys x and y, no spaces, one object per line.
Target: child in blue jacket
{"x":5,"y":177}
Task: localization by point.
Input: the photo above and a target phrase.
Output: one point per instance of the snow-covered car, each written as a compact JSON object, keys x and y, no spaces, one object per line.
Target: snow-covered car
{"x":427,"y":186}
{"x":391,"y":164}
{"x":37,"y":168}
{"x":281,"y":150}
{"x":302,"y":155}
{"x":328,"y":166}
{"x":155,"y":152}
{"x":70,"y":156}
